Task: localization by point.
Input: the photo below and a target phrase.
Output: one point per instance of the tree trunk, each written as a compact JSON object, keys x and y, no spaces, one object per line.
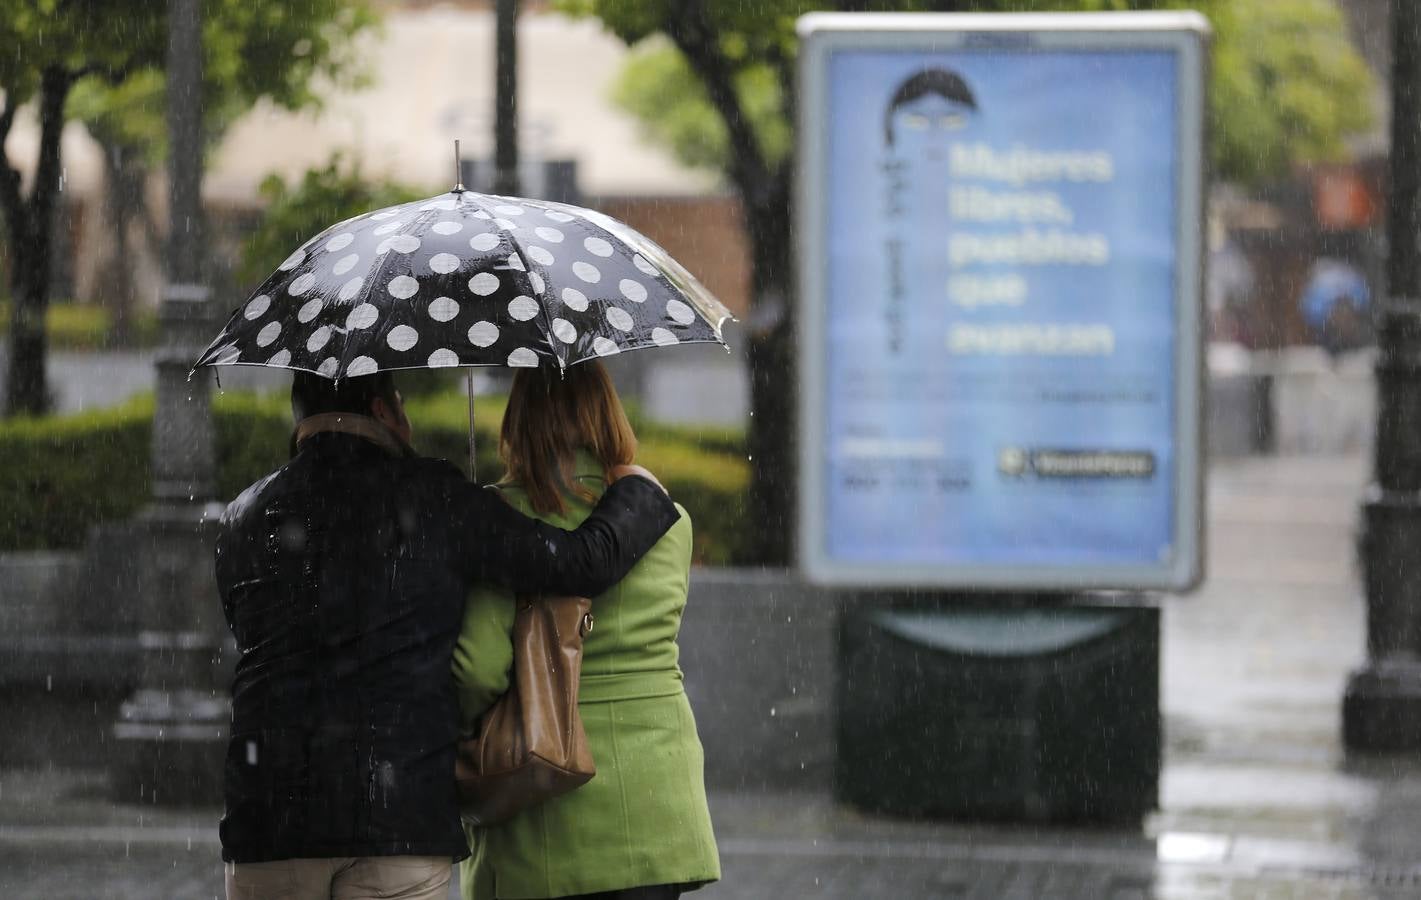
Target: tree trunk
{"x":772,"y":437}
{"x":124,"y":179}
{"x":32,"y":239}
{"x":26,"y":392}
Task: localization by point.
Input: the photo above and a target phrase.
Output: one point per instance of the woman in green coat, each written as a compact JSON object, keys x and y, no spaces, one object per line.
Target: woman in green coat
{"x":640,"y":828}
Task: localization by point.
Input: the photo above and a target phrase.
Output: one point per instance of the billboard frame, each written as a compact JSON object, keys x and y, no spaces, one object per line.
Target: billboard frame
{"x":1183,"y":33}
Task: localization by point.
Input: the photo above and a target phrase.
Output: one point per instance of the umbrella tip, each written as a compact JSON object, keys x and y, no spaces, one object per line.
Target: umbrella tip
{"x":458,"y":170}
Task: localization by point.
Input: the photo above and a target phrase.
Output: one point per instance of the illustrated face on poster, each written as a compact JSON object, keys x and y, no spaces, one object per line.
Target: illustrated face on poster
{"x":927,"y":107}
{"x":924,"y":113}
{"x":1001,"y":318}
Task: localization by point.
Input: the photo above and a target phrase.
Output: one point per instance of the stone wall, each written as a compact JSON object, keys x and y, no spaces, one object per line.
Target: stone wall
{"x":759,"y":649}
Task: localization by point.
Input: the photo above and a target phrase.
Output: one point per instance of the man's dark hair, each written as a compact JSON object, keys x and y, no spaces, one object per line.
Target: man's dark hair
{"x":927,"y":81}
{"x":312,"y":394}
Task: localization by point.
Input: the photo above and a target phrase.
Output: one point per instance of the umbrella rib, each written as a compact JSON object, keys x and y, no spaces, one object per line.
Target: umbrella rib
{"x":525,"y":271}
{"x":377,"y":277}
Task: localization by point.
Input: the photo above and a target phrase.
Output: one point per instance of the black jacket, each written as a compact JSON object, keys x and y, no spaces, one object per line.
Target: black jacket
{"x":343,"y":576}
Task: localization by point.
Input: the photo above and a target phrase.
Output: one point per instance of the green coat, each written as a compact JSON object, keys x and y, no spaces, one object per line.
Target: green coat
{"x":643,"y":818}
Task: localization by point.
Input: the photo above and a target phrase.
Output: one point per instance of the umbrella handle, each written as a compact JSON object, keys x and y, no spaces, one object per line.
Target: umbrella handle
{"x":473,"y":468}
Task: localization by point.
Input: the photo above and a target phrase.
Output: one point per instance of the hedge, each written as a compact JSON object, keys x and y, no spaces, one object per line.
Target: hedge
{"x":64,"y":474}
{"x":61,"y":475}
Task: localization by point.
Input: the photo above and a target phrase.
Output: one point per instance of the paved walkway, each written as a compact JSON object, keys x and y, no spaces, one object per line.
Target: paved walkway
{"x":1258,"y":798}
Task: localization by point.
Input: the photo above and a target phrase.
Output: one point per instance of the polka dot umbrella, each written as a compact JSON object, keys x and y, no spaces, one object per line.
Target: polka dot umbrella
{"x":467,"y":279}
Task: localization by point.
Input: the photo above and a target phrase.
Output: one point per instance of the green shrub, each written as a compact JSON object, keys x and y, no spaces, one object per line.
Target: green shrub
{"x":709,"y":478}
{"x":252,"y":433}
{"x":61,"y":475}
{"x":299,"y":211}
{"x":712,"y":487}
{"x":65,"y":474}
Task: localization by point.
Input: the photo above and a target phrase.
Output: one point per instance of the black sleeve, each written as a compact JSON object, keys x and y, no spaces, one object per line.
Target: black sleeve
{"x":501,"y":545}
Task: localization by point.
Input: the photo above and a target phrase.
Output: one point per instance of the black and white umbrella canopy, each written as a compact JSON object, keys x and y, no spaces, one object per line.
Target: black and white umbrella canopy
{"x":468,"y":279}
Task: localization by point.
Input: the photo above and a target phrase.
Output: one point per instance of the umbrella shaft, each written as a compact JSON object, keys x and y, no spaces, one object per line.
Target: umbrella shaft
{"x":473,"y":467}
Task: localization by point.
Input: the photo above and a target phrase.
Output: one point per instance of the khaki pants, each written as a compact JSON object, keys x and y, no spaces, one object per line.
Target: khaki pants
{"x":349,"y":878}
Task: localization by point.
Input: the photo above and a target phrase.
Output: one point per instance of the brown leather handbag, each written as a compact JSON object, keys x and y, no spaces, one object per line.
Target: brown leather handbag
{"x":531,"y":746}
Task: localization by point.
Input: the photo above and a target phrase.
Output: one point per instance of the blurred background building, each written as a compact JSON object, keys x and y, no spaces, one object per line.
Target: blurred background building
{"x":428,"y":80}
{"x":1295,"y":257}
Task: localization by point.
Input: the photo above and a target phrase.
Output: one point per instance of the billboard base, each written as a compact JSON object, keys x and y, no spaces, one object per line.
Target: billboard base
{"x":960,"y":707}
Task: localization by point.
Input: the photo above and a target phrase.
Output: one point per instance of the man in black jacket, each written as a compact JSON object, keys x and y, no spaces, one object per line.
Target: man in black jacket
{"x":343,"y":576}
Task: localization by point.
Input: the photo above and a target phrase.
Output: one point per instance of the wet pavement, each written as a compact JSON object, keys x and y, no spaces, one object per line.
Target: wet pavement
{"x":1258,"y":799}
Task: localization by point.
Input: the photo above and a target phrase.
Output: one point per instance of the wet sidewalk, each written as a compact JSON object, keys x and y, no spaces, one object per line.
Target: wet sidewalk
{"x":1258,"y":799}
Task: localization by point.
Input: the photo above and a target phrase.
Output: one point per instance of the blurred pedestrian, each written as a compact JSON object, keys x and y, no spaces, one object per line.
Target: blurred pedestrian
{"x":640,"y":829}
{"x":1336,"y":306}
{"x":343,"y":576}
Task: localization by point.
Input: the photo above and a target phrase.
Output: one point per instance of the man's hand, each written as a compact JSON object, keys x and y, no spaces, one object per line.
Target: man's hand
{"x":619,"y":472}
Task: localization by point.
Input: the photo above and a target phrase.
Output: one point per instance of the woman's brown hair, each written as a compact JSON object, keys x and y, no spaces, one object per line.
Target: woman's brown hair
{"x":550,"y":417}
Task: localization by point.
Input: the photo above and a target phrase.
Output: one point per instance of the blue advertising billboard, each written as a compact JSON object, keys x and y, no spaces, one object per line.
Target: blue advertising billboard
{"x":999,"y":317}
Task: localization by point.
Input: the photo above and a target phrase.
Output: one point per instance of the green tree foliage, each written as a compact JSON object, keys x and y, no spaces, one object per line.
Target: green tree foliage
{"x":319,"y":199}
{"x":108,"y":57}
{"x":717,"y":87}
{"x":664,"y":94}
{"x":1287,"y":85}
{"x":265,"y":50}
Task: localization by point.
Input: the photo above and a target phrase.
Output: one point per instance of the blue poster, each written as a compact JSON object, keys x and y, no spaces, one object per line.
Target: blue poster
{"x":1000,"y":247}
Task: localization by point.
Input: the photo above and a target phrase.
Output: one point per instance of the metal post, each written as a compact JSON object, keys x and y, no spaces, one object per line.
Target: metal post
{"x":505,"y":127}
{"x":170,"y":731}
{"x":183,"y":460}
{"x":473,"y":463}
{"x":1381,"y":710}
